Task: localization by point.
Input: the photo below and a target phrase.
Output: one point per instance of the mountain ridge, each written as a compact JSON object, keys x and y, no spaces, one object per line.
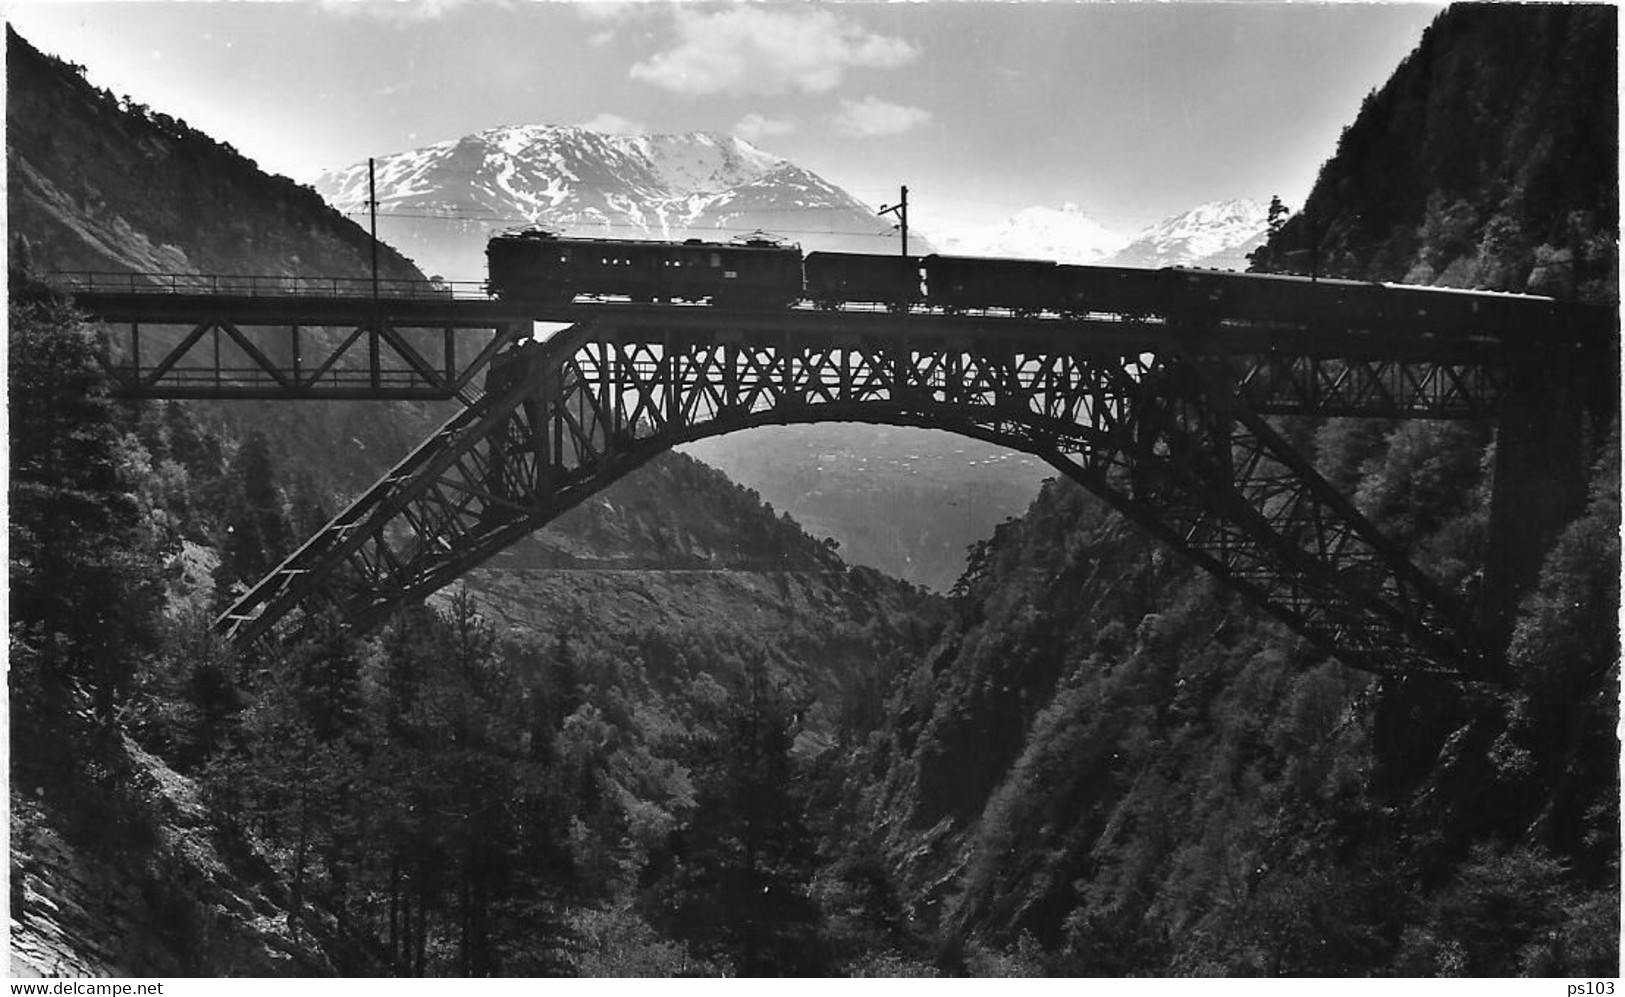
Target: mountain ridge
{"x":442,"y":202}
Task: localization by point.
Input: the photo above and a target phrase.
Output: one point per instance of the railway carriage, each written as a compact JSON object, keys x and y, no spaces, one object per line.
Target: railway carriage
{"x":1340,"y":305}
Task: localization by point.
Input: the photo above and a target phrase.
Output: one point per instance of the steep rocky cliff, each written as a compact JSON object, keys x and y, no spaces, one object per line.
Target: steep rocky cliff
{"x":175,"y":896}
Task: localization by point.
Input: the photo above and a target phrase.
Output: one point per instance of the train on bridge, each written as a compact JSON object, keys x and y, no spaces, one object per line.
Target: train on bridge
{"x":533,"y":265}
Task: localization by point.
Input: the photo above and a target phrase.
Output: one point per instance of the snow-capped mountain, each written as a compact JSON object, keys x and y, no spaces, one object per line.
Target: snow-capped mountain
{"x":1065,"y":235}
{"x":1217,"y":234}
{"x":439,"y":204}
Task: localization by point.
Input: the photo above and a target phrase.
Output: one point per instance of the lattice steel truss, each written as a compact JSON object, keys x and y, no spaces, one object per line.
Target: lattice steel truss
{"x":185,"y":345}
{"x":1175,"y":439}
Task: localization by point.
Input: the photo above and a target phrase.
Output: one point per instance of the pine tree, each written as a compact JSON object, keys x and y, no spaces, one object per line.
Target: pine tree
{"x":258,"y":534}
{"x":746,"y":860}
{"x":85,"y":589}
{"x":1277,"y":215}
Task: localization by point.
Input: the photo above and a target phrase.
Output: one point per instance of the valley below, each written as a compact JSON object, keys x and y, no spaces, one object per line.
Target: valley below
{"x":909,"y":502}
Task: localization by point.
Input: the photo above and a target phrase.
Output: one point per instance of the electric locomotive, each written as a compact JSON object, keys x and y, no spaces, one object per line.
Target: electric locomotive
{"x":537,"y":265}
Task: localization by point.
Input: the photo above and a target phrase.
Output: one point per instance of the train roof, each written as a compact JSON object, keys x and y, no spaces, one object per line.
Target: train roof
{"x":752,"y":240}
{"x":948,"y":257}
{"x":1509,"y":296}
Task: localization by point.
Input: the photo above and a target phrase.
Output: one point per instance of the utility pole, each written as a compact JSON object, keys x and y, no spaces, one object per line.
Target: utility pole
{"x":372,"y":205}
{"x":1314,"y":247}
{"x":900,"y":209}
{"x":376,"y":366}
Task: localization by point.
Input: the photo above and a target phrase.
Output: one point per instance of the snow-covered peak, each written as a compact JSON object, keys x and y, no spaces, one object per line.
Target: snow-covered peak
{"x":1065,"y":234}
{"x":702,"y":162}
{"x":664,"y":165}
{"x":1218,"y":233}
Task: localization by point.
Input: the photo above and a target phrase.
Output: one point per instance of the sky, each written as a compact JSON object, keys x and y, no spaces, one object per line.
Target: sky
{"x":1130,"y":111}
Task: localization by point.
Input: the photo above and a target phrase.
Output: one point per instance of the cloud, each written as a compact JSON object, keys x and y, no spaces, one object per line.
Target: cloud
{"x":609,"y":15}
{"x":397,"y":10}
{"x":614,"y":124}
{"x":766,"y":50}
{"x":754,"y":127}
{"x":873,"y":116}
{"x":605,"y":10}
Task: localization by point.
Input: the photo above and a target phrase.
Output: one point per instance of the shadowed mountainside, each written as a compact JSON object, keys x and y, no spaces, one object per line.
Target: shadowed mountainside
{"x":1110,"y":766}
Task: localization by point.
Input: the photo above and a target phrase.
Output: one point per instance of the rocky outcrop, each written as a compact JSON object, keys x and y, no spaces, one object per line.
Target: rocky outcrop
{"x":169,"y":896}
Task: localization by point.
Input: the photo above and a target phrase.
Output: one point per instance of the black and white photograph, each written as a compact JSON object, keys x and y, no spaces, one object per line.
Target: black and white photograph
{"x":811,"y":489}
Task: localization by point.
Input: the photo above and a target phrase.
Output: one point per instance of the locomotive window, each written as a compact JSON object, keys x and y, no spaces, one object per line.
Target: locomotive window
{"x":716,"y":259}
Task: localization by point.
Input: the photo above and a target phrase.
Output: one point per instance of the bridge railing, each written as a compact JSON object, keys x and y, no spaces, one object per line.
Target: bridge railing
{"x":265,"y":285}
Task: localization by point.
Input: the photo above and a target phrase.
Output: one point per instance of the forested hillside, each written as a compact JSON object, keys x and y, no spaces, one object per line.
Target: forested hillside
{"x":1108,"y":765}
{"x":1488,"y":160}
{"x":97,"y":182}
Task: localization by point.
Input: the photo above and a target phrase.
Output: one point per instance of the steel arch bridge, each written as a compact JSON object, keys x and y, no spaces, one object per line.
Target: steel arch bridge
{"x":1172,"y":434}
{"x":1171,"y":422}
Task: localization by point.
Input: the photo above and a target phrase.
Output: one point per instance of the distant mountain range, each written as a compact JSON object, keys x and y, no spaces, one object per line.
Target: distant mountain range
{"x":440,"y":204}
{"x":1217,"y":234}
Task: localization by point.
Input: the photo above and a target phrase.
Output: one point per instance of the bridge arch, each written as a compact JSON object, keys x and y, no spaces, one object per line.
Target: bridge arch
{"x":1147,"y":423}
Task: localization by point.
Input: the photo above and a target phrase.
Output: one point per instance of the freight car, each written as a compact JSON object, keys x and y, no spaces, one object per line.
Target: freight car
{"x":965,"y":283}
{"x":837,"y":279}
{"x":1130,"y":292}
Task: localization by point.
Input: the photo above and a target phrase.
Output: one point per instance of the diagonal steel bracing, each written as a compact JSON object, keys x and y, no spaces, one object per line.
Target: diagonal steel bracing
{"x":376,"y":359}
{"x":1174,"y":439}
